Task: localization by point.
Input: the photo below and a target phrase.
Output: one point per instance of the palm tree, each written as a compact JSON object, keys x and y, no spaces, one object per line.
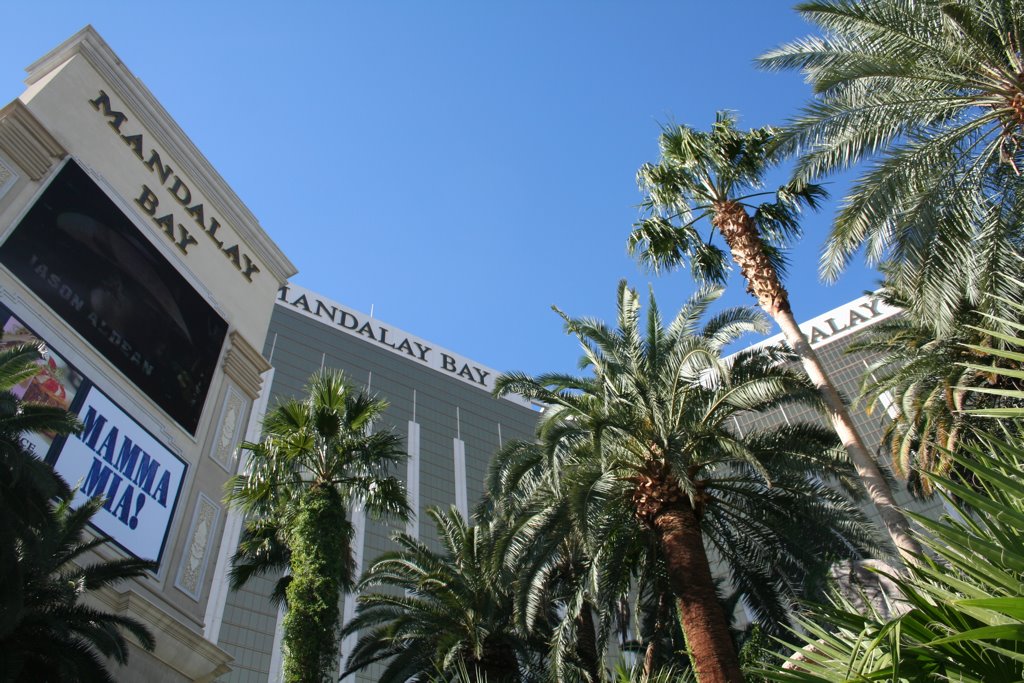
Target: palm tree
{"x":27,"y":484}
{"x":651,"y":455}
{"x":262,"y":550}
{"x":962,"y":616}
{"x":714,"y":175}
{"x":442,"y":612}
{"x":931,"y":94}
{"x":317,"y":456}
{"x":54,"y":636}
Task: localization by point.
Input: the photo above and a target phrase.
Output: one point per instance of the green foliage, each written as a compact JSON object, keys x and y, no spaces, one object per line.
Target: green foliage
{"x":757,"y":650}
{"x":27,"y":484}
{"x":929,"y":94}
{"x":318,"y":559}
{"x":933,"y":384}
{"x":317,"y":456}
{"x":635,"y":674}
{"x":718,"y":176}
{"x":963,"y":614}
{"x":555,"y":598}
{"x":54,"y":636}
{"x":1006,"y":385}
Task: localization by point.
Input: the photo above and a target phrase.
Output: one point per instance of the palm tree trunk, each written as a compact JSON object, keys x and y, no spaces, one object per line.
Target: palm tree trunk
{"x":311,"y":622}
{"x":744,"y":242}
{"x":703,"y":620}
{"x":648,"y":660}
{"x":661,"y":610}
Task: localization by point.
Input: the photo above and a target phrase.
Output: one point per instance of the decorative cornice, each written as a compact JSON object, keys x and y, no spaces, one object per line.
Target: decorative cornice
{"x":27,"y":142}
{"x":171,"y":137}
{"x":181,"y":648}
{"x":244,"y":365}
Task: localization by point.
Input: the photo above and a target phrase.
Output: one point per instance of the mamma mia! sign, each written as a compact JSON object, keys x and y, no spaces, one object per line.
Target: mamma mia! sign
{"x":137,"y":476}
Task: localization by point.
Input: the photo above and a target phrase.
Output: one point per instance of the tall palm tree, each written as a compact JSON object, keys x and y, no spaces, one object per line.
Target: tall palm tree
{"x":930,"y":93}
{"x":316,"y":457}
{"x":962,"y":612}
{"x":651,"y":450}
{"x":442,"y":611}
{"x":715,"y":175}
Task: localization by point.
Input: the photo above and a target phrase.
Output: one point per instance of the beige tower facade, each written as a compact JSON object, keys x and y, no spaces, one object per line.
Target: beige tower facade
{"x":152,"y":286}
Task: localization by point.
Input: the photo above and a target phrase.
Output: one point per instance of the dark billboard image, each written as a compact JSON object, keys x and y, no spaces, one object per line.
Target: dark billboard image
{"x":79,"y":253}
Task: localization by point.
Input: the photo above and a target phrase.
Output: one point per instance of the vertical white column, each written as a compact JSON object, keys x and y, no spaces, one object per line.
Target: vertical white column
{"x":276,"y":674}
{"x":459,"y":447}
{"x":412,"y":527}
{"x":461,"y":498}
{"x":358,"y":516}
{"x":219,"y":590}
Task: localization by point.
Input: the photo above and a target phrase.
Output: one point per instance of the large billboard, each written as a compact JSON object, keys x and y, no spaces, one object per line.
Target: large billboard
{"x":113,"y":456}
{"x":79,"y":253}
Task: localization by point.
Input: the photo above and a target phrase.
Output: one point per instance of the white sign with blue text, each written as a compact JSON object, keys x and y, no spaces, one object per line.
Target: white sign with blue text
{"x":139,"y":478}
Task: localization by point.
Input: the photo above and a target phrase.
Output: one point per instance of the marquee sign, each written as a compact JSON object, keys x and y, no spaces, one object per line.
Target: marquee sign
{"x":178,"y":201}
{"x":113,"y":457}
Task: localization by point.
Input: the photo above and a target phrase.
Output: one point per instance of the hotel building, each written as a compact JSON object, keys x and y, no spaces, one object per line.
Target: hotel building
{"x":162,"y":303}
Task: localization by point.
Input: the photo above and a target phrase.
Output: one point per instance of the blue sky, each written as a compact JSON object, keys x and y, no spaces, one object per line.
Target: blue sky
{"x":458,"y":166}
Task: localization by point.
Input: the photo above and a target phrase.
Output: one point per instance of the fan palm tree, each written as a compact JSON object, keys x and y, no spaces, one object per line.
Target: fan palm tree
{"x":317,"y":456}
{"x":651,"y":451}
{"x":715,"y":175}
{"x":931,"y":94}
{"x":442,"y":612}
{"x":262,"y":550}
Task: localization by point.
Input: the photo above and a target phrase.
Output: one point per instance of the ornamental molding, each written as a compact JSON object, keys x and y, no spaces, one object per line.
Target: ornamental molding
{"x":230,"y":426}
{"x":26,"y":142}
{"x":245,"y":365}
{"x":192,"y":569}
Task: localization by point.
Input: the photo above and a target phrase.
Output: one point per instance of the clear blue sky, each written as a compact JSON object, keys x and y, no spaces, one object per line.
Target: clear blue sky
{"x":460,"y":166}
